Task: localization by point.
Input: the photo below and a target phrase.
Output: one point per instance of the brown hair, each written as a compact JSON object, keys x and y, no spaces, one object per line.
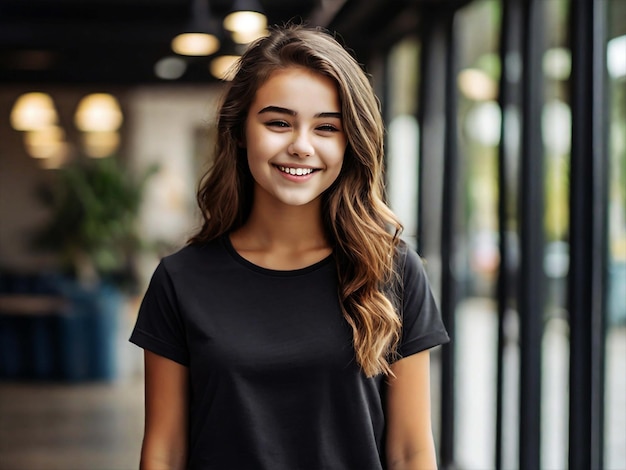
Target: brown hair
{"x":361,"y":228}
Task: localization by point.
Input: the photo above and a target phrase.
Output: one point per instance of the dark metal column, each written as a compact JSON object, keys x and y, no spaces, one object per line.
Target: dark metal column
{"x":532,"y":278}
{"x":448,"y":246}
{"x":437,"y":190}
{"x":588,"y":221}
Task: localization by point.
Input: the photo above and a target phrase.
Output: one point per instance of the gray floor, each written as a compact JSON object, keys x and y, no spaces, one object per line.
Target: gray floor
{"x":77,"y":427}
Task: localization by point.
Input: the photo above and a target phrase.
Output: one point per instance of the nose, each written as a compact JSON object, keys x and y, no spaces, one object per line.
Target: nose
{"x":301,"y":146}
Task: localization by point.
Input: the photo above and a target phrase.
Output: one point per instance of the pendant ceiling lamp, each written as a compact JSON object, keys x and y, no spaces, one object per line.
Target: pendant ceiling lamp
{"x":223,"y":67}
{"x":199,"y":37}
{"x":98,"y":112}
{"x":33,"y":111}
{"x":246,"y":21}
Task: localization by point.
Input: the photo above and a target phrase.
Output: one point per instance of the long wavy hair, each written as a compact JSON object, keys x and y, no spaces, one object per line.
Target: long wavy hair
{"x":361,"y":229}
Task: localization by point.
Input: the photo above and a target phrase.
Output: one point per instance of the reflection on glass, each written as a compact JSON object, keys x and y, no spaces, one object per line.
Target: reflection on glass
{"x":615,"y":353}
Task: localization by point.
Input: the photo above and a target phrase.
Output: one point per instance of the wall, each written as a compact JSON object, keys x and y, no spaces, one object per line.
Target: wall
{"x":167,"y":125}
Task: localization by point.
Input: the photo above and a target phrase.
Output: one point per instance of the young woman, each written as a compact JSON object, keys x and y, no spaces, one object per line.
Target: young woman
{"x":292,"y":332}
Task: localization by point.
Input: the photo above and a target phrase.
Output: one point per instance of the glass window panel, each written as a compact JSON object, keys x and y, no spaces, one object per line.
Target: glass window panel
{"x":556,"y":136}
{"x":477,"y":28}
{"x":615,"y":399}
{"x":403,"y":133}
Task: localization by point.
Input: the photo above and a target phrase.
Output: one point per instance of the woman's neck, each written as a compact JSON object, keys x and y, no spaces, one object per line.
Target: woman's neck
{"x":282,"y":237}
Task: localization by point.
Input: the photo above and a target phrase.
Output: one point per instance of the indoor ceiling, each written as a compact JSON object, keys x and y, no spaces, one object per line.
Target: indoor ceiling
{"x":119,"y":41}
{"x":109,"y":41}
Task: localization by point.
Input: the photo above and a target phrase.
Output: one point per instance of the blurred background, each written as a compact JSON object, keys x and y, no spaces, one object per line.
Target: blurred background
{"x":506,"y":161}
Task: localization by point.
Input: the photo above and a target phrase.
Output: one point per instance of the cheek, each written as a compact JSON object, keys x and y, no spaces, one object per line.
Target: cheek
{"x":336,"y":153}
{"x":263,"y":144}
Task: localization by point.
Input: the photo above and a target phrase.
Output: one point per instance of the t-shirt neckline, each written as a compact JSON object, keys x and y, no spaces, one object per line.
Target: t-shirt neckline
{"x":226,"y":242}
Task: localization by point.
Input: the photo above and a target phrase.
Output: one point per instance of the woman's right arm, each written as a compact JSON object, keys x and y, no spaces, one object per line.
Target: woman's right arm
{"x":166,"y":407}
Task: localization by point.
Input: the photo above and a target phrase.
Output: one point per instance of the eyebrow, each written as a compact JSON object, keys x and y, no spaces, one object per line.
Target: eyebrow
{"x":291,"y":112}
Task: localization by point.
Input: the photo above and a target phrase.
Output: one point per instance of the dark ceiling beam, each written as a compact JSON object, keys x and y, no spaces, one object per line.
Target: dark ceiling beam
{"x":371,"y":26}
{"x":29,"y":34}
{"x":362,"y":24}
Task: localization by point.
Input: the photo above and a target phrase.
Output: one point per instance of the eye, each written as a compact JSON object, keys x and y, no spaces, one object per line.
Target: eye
{"x":327,"y":128}
{"x":279,"y":124}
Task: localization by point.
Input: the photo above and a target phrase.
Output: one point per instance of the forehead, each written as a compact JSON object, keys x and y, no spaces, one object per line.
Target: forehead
{"x":298,"y":87}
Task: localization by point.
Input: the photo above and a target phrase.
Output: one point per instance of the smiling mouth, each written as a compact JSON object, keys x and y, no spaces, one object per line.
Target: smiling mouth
{"x":296,"y":171}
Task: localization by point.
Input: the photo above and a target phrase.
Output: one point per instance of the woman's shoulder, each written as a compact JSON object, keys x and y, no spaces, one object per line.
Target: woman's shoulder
{"x":194,"y":254}
{"x":410,"y":266}
{"x":407,"y":256}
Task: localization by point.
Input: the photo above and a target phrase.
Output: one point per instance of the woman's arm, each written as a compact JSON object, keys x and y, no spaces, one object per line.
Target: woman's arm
{"x":410,"y":442}
{"x":165,"y":436}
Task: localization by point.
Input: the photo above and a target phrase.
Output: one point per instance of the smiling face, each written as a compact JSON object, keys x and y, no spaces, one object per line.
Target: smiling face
{"x":295,"y":141}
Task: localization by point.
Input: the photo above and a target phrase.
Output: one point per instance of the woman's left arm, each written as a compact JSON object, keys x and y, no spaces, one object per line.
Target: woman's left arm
{"x":409,"y":440}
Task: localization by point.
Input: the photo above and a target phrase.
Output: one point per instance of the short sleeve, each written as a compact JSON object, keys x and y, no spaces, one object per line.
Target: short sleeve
{"x":422,"y":326}
{"x":159,"y":327}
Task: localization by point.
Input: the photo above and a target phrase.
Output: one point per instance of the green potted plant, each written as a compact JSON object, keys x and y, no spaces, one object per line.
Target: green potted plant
{"x":94,"y":205}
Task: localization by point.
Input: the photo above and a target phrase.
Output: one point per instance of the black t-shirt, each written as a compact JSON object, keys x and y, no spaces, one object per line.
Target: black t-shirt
{"x":274,"y":383}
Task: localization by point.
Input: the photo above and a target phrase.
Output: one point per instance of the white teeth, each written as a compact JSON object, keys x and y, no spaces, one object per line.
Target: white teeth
{"x":296,"y":171}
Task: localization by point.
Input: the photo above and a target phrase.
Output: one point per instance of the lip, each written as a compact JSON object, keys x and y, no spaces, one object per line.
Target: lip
{"x":292,"y":165}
